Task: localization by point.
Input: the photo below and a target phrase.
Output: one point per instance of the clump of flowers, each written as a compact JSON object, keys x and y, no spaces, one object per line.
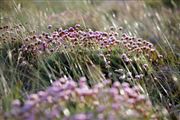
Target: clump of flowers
{"x":11,"y":33}
{"x":75,"y":37}
{"x":69,"y":100}
{"x":67,"y":38}
{"x":138,"y":46}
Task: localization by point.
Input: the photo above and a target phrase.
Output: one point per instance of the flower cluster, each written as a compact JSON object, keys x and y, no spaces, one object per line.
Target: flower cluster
{"x":70,"y":37}
{"x":11,"y":34}
{"x":74,"y":37}
{"x":71,"y":100}
{"x":139,"y":46}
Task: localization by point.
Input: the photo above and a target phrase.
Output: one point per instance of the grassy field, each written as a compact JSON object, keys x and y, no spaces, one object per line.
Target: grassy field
{"x":88,"y":60}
